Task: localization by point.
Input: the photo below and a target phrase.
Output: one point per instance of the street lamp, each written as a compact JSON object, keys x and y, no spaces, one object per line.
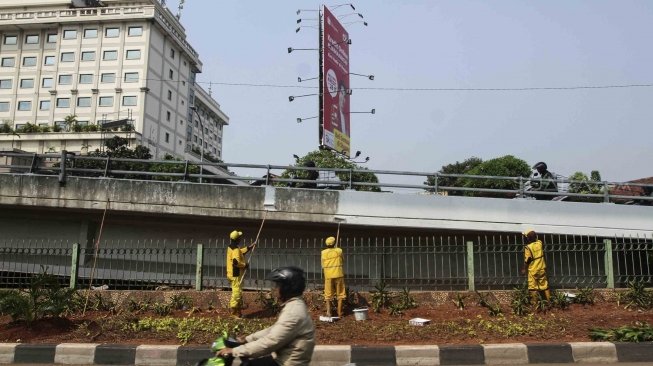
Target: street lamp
{"x":194,"y":109}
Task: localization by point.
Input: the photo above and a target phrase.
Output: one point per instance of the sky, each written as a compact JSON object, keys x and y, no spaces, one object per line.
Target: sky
{"x":446,"y":44}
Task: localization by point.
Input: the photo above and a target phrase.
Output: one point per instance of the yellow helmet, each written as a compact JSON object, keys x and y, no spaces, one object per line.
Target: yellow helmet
{"x":528,"y":231}
{"x":330,"y":241}
{"x":235,"y":234}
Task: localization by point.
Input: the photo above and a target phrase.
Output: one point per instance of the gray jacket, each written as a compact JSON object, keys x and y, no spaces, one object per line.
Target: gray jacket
{"x":292,"y":337}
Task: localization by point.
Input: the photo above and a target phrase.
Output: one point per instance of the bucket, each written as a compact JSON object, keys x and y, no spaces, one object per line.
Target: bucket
{"x":360,"y":314}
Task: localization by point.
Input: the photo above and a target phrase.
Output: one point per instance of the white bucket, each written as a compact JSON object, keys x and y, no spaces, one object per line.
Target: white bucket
{"x":360,"y":314}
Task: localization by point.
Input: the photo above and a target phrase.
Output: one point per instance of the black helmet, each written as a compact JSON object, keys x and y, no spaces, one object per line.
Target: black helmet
{"x":291,"y":281}
{"x":540,"y":165}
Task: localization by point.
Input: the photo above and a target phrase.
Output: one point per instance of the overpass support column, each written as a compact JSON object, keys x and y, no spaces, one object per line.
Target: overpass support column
{"x":609,"y":269}
{"x":470,"y":266}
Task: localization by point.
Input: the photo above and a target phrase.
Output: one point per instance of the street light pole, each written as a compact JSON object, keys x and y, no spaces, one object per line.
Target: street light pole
{"x":203,"y":140}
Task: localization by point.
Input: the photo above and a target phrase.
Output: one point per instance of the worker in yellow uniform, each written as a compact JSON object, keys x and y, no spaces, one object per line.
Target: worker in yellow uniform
{"x":236,"y":265}
{"x":334,"y":276}
{"x":534,"y":262}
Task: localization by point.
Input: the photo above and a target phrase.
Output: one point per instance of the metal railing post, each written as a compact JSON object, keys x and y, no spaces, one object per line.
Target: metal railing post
{"x":606,"y":193}
{"x":186,"y":170}
{"x":74,"y":265}
{"x":435,"y":182}
{"x":106,"y":166}
{"x":33,"y":165}
{"x":521,"y":186}
{"x":351,"y":173}
{"x":198,"y":267}
{"x":267,"y":176}
{"x":62,"y":167}
{"x":470,"y":266}
{"x":609,"y":269}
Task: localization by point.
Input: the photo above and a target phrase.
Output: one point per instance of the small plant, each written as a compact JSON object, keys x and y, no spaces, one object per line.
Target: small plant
{"x":380,"y":297}
{"x":585,"y":296}
{"x":396,"y":309}
{"x":459,"y":301}
{"x":542,"y":304}
{"x":161,"y":309}
{"x":5,"y":128}
{"x":520,"y":301}
{"x":45,"y":128}
{"x":494,"y":309}
{"x":559,"y":300}
{"x":268,"y":302}
{"x":56,"y":128}
{"x":637,"y":296}
{"x":640,"y":332}
{"x":181,"y":302}
{"x":406,"y":300}
{"x":98,"y":303}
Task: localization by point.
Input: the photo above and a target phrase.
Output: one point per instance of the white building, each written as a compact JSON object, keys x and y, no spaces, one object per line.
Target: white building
{"x":119,"y":60}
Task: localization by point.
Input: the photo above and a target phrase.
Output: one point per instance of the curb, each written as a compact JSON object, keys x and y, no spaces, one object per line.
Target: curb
{"x":483,"y":354}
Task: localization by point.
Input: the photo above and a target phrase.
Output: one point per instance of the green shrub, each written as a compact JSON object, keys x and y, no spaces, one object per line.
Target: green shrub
{"x":640,"y":332}
{"x":637,"y":296}
{"x":181,"y":302}
{"x":5,"y":128}
{"x":585,"y":296}
{"x":380,"y":297}
{"x":520,"y":300}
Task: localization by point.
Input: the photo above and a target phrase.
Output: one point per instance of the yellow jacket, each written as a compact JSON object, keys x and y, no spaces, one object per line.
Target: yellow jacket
{"x":535,"y":252}
{"x":332,"y":263}
{"x":237,"y":254}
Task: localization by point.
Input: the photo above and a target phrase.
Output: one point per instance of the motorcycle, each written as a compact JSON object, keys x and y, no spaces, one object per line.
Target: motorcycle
{"x":224,"y":341}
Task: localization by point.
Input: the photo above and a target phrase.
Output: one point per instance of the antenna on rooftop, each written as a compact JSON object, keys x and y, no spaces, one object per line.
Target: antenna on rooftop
{"x":179,"y":8}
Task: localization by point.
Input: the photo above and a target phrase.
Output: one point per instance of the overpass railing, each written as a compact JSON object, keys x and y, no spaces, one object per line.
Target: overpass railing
{"x":66,"y":164}
{"x":419,"y":263}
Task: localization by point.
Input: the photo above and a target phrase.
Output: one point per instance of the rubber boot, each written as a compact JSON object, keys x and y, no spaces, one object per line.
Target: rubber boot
{"x":236,"y":313}
{"x":534,"y":296}
{"x":547,"y":294}
{"x":328,"y":308}
{"x":340,"y":308}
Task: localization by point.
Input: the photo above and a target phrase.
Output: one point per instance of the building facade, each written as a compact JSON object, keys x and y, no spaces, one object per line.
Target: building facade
{"x":124,"y":64}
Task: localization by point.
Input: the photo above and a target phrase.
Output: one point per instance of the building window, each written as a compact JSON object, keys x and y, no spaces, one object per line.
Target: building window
{"x":29,"y":61}
{"x":5,"y":84}
{"x":135,"y":31}
{"x":110,"y":55}
{"x":169,"y":95}
{"x":47,"y":83}
{"x":88,"y":56}
{"x":44,"y":105}
{"x":129,"y":101}
{"x":133,"y":54}
{"x":86,"y":78}
{"x":112,"y":32}
{"x":63,"y":102}
{"x":106,"y":102}
{"x":65,"y":79}
{"x":27,"y":83}
{"x":171,"y":74}
{"x":25,"y":105}
{"x":84,"y":101}
{"x":167,"y":137}
{"x":67,"y":56}
{"x":195,"y":138}
{"x":69,"y":34}
{"x":52,"y":38}
{"x":131,"y":77}
{"x":90,"y":33}
{"x":32,"y":39}
{"x":8,"y":62}
{"x":49,"y":60}
{"x":168,"y":115}
{"x":4,"y":106}
{"x":172,"y":53}
{"x":108,"y":78}
{"x":10,"y":40}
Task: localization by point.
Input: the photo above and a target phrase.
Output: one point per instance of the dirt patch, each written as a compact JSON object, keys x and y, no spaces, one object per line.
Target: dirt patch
{"x":124,"y":324}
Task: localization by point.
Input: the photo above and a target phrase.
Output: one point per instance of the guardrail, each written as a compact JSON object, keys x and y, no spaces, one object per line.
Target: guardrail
{"x":68,"y":164}
{"x":419,"y":263}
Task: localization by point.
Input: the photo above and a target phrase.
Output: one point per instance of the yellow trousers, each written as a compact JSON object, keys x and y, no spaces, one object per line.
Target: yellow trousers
{"x":537,"y":280}
{"x":236,"y":293}
{"x":339,"y":284}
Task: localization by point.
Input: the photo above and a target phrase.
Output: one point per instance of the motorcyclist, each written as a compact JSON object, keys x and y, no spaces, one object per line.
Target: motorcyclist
{"x":291,"y":339}
{"x":545,"y":182}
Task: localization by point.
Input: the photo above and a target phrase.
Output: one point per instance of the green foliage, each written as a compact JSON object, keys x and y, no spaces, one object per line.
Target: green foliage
{"x":586,"y":185}
{"x":329,"y":159}
{"x":459,"y":301}
{"x":161,"y":309}
{"x":559,"y":300}
{"x":640,"y":332}
{"x":506,"y":166}
{"x":181,"y":302}
{"x":71,"y":123}
{"x":28,"y":128}
{"x":98,"y":302}
{"x":493,"y":308}
{"x":269,"y":303}
{"x":520,"y":300}
{"x":173,"y":168}
{"x":585,"y":296}
{"x":637,"y":296}
{"x":380,"y":297}
{"x":5,"y":128}
{"x":455,"y":168}
{"x":43,"y":298}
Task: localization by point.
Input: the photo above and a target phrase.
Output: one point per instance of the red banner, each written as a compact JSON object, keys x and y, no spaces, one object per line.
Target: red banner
{"x":335,"y":90}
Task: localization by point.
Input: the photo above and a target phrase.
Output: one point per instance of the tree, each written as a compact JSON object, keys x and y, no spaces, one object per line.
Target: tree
{"x":583,"y":184}
{"x":455,"y":168}
{"x":506,"y":166}
{"x":329,"y":159}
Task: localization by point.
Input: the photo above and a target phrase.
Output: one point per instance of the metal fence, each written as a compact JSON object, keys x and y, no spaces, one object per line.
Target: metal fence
{"x":68,"y":164}
{"x":419,"y":263}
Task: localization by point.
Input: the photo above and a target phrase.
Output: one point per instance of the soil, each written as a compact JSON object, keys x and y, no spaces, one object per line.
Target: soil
{"x":448,"y":324}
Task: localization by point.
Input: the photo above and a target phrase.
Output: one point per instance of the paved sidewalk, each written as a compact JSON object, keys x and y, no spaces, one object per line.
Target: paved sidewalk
{"x":489,"y":354}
